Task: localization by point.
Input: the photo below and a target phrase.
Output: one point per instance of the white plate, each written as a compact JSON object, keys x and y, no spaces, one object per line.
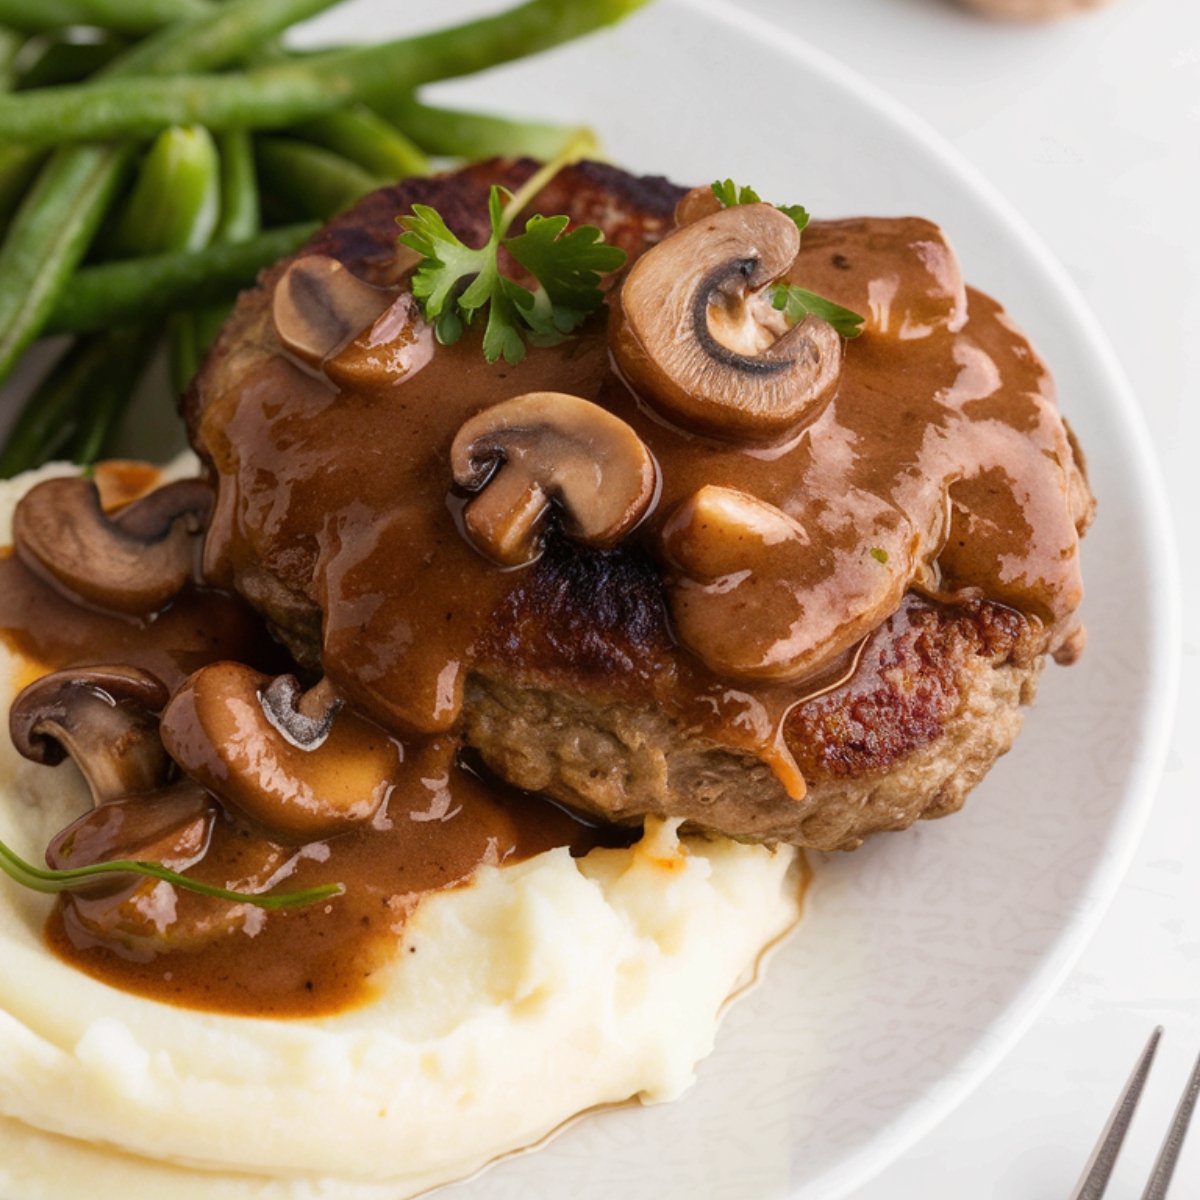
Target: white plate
{"x":923,"y":956}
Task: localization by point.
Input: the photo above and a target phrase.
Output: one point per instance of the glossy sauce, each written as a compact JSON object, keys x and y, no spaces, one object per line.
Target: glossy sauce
{"x":439,"y":823}
{"x":942,"y":463}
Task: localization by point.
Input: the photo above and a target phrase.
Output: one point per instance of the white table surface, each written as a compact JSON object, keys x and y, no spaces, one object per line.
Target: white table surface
{"x":1092,"y":128}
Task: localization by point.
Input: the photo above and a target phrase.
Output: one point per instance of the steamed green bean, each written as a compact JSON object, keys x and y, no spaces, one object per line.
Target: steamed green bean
{"x":54,"y":226}
{"x":368,"y":139}
{"x":135,"y":289}
{"x":312,"y":180}
{"x":176,"y":198}
{"x":121,"y":16}
{"x":283,"y":94}
{"x":473,"y":135}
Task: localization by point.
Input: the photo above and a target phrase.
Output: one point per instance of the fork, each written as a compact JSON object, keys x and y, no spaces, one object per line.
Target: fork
{"x":1100,"y":1166}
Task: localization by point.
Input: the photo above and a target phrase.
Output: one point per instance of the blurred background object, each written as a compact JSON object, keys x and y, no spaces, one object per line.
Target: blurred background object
{"x":1031,"y":10}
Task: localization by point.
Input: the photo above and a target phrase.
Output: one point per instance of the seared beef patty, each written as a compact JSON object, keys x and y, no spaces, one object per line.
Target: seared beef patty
{"x":570,"y":689}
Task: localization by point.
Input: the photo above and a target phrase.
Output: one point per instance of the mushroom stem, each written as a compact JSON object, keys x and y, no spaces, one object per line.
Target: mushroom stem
{"x":302,"y":776}
{"x":548,"y":449}
{"x":304,"y":718}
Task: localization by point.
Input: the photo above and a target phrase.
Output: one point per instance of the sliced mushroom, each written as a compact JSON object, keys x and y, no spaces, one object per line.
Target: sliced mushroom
{"x":678,"y":301}
{"x":753,"y":598}
{"x":103,"y":717}
{"x":548,"y":449}
{"x":697,"y":204}
{"x":292,"y":762}
{"x":391,"y":350}
{"x":319,"y":307}
{"x":133,"y":562}
{"x":171,"y":828}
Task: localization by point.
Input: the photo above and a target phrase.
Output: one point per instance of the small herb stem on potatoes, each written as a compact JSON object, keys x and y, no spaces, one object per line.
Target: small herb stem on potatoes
{"x":42,"y":879}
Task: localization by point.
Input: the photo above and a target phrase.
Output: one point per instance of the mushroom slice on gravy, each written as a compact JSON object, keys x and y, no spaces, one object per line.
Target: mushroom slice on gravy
{"x":133,"y":562}
{"x":546,"y":449}
{"x":751,"y":596}
{"x":103,"y":717}
{"x":294,"y":762}
{"x":691,"y":334}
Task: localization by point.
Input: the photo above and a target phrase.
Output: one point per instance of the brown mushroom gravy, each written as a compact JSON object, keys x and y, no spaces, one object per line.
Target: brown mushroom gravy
{"x":438,"y":821}
{"x":935,"y":460}
{"x":943,"y":421}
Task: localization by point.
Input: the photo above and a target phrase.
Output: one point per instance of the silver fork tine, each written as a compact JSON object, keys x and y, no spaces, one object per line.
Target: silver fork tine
{"x":1100,"y":1167}
{"x":1164,"y":1166}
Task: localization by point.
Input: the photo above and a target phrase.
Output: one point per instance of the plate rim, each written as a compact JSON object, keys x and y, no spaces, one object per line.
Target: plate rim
{"x":1154,"y":523}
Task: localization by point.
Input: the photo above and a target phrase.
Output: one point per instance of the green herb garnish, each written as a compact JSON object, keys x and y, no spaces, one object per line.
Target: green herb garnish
{"x":454,"y":282}
{"x":41,"y":879}
{"x":795,"y":303}
{"x":729,"y":194}
{"x":878,"y":554}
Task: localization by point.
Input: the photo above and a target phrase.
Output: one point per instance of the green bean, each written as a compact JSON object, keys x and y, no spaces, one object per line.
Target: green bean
{"x":312,"y":180}
{"x":176,"y":199}
{"x":49,"y":420}
{"x":126,"y":353}
{"x":275,"y":96}
{"x":10,"y":46}
{"x":189,"y":334}
{"x":473,"y":135}
{"x":66,"y":57}
{"x":366,"y":138}
{"x":17,"y":164}
{"x":223,"y":34}
{"x":239,"y":218}
{"x":137,"y":289}
{"x":54,"y":226}
{"x":122,"y":16}
{"x":48,"y":236}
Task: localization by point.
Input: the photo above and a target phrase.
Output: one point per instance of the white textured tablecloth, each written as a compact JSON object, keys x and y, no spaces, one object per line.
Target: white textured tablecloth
{"x":1092,"y":128}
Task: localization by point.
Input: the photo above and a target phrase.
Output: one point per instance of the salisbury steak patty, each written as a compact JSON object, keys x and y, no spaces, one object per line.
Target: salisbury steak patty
{"x":574,"y":682}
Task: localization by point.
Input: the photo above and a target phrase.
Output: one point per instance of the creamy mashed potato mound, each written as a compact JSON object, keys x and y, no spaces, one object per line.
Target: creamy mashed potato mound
{"x":536,"y":992}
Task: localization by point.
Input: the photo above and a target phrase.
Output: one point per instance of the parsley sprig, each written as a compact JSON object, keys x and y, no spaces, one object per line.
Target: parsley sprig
{"x":795,"y":303}
{"x":454,"y":282}
{"x":41,"y":879}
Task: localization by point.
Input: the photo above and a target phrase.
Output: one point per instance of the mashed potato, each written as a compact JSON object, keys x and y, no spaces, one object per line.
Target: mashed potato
{"x":541,"y":990}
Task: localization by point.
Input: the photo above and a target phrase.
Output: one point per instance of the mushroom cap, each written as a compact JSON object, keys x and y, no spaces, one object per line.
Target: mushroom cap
{"x":663,"y":342}
{"x":752,"y":597}
{"x":103,"y":717}
{"x":134,"y":562}
{"x":218,"y":729}
{"x":319,"y":307}
{"x":172,"y":828}
{"x":525,"y":455}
